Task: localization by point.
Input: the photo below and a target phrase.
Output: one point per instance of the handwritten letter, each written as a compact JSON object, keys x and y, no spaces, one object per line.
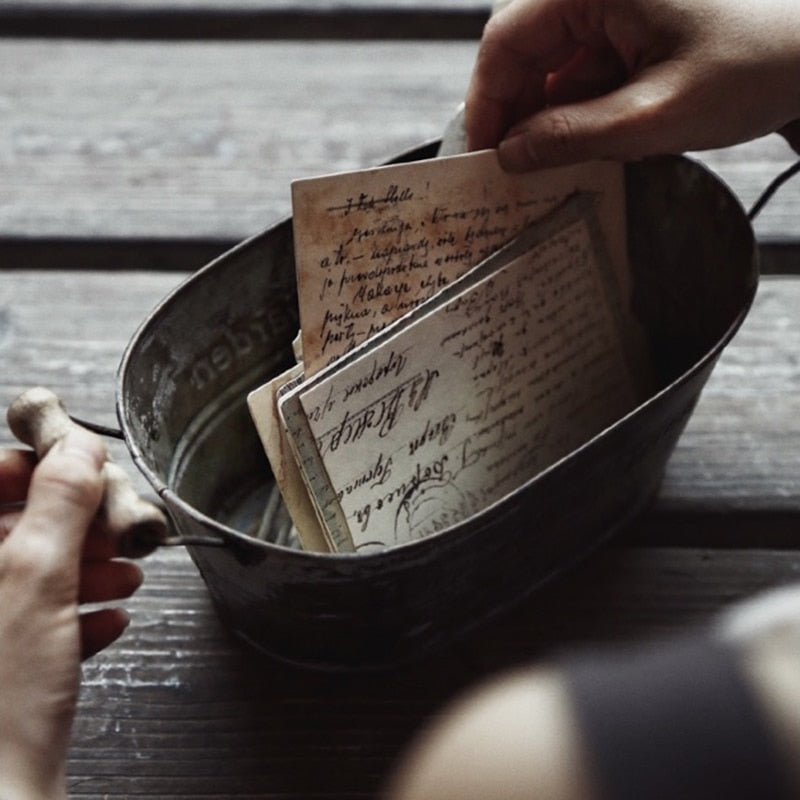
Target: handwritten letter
{"x":374,"y":244}
{"x":475,"y":392}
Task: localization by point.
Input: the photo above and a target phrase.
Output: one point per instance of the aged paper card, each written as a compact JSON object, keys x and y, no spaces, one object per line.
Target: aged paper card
{"x":262,"y":404}
{"x":475,"y":392}
{"x":374,"y":244}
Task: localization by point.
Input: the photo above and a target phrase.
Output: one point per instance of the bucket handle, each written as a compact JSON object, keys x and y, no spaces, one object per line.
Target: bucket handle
{"x":776,"y":183}
{"x":95,"y":427}
{"x":175,"y":540}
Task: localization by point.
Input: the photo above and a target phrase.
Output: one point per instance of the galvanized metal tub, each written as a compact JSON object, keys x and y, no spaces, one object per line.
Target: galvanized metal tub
{"x":181,"y":404}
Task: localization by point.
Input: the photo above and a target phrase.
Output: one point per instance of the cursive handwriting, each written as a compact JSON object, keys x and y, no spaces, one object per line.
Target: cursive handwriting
{"x":464,"y":403}
{"x":382,"y":414}
{"x":373,"y":245}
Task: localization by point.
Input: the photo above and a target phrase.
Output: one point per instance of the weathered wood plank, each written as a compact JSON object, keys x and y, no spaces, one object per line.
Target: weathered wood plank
{"x":740,"y":453}
{"x":68,"y":330}
{"x":176,"y":709}
{"x":750,"y":397}
{"x":201,"y":140}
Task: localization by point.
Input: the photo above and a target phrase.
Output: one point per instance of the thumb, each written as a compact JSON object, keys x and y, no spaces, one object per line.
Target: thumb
{"x":65,"y":492}
{"x":631,"y":122}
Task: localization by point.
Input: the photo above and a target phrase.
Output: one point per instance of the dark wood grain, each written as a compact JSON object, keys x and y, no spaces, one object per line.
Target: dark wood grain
{"x":176,"y":709}
{"x":249,"y":21}
{"x":203,"y":140}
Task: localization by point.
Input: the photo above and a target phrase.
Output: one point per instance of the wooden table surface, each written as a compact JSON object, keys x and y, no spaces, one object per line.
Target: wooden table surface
{"x":139,"y":140}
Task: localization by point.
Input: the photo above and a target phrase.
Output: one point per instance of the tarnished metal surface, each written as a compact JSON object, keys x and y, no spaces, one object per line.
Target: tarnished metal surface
{"x":181,"y":403}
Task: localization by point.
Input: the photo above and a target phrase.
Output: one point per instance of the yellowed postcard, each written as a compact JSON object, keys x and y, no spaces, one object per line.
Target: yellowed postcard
{"x":473,"y":393}
{"x":374,"y":244}
{"x":262,"y":404}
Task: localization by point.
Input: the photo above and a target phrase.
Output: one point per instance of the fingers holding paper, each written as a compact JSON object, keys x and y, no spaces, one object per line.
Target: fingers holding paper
{"x":558,"y":81}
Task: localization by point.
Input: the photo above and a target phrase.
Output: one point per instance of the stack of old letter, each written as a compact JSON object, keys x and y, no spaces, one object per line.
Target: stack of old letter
{"x":462,"y":329}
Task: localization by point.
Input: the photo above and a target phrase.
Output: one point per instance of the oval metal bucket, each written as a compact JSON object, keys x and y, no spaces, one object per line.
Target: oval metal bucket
{"x":181,"y":402}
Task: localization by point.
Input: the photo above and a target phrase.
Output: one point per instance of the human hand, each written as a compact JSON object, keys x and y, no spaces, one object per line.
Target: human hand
{"x":559,"y":81}
{"x":51,"y":560}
